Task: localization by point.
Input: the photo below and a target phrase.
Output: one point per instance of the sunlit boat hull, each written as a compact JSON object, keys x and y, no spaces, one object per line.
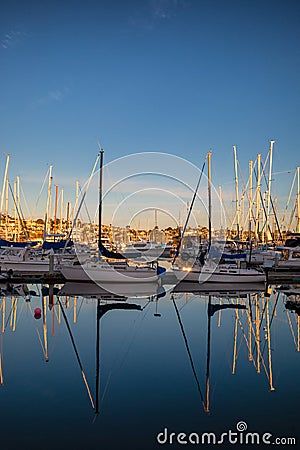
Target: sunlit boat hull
{"x":219,"y":275}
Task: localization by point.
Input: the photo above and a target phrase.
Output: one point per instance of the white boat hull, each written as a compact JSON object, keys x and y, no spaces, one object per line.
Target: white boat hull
{"x":108,"y":274}
{"x":220,"y":275}
{"x":30,"y":267}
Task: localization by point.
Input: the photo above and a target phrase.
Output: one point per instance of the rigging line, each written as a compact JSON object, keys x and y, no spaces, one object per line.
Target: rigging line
{"x":253,"y":332}
{"x":137,"y":327}
{"x":273,"y":208}
{"x":291,"y":327}
{"x":242,"y":330}
{"x":273,"y":314}
{"x":38,"y":333}
{"x":106,"y":386}
{"x":1,"y":370}
{"x":120,"y":193}
{"x":189,"y":212}
{"x":188,"y":351}
{"x":246,"y":194}
{"x":40,"y":339}
{"x":56,"y":315}
{"x":225,"y":209}
{"x":289,"y":198}
{"x":20,"y":214}
{"x":114,"y":362}
{"x":40,"y":193}
{"x":26,"y":204}
{"x":261,"y":198}
{"x":185,"y":303}
{"x":81,"y":202}
{"x":265,"y":212}
{"x":261,"y":356}
{"x":292,"y":215}
{"x":11,"y":310}
{"x":76,"y":353}
{"x":245,"y":191}
{"x":85,"y":205}
{"x":254,"y":349}
{"x":80,"y":307}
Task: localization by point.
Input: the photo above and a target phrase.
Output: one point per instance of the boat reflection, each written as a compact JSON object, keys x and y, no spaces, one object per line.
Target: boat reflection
{"x":254,"y":313}
{"x":219,"y":289}
{"x":292,"y":305}
{"x":102,"y":309}
{"x":211,"y":309}
{"x":244,"y":313}
{"x":112,"y":290}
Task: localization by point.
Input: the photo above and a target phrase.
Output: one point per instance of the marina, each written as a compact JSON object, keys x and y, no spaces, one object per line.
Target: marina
{"x":188,"y":333}
{"x":98,"y":359}
{"x":149,"y":224}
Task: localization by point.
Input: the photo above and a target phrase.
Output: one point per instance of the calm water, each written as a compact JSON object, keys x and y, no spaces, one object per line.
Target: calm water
{"x":160,"y":364}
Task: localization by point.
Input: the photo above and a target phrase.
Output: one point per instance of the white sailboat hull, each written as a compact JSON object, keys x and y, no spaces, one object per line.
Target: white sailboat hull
{"x":26,"y":267}
{"x":106,"y":273}
{"x":289,"y":264}
{"x":220,"y":275}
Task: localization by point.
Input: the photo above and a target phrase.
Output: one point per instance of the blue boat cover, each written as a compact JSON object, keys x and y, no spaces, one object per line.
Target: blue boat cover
{"x":5,"y":243}
{"x":109,"y":254}
{"x":160,"y":270}
{"x":47,"y":245}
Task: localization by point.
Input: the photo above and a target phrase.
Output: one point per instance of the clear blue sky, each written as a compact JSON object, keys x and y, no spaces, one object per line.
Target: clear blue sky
{"x":177,"y":76}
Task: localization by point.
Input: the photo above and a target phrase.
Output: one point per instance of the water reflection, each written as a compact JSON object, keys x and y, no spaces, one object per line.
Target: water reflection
{"x":169,"y":344}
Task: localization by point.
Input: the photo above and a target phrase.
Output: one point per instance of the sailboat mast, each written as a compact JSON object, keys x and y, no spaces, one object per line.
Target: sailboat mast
{"x":45,"y":329}
{"x":298,"y":199}
{"x":18,"y":206}
{"x":100,"y":197}
{"x":209,"y":197}
{"x":258,"y":186}
{"x":269,"y":190}
{"x":61,"y":209}
{"x":3,"y":306}
{"x":98,"y":357}
{"x":257,"y":332}
{"x":16,"y":237}
{"x":6,"y":208}
{"x":235,"y":341}
{"x":48,"y":205}
{"x":237,"y":209}
{"x":269,"y":346}
{"x":250,"y":197}
{"x":207,"y":384}
{"x":4,"y":183}
{"x":76,"y":197}
{"x":221,"y":207}
{"x":55,"y":208}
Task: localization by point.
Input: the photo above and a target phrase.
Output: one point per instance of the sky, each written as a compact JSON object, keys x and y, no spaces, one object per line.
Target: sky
{"x":181,"y":77}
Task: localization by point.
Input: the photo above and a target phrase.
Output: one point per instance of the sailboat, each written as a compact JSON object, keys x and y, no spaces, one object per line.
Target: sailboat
{"x":111,"y":267}
{"x":205,"y":269}
{"x":219,"y":273}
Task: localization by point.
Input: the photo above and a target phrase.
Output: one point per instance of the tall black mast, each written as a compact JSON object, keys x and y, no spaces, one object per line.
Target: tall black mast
{"x":100,"y":198}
